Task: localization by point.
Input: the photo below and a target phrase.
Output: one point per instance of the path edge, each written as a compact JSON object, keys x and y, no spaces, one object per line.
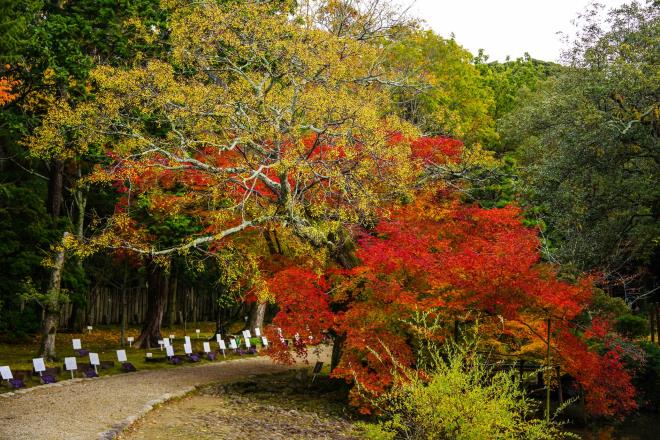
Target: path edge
{"x":119,"y":427}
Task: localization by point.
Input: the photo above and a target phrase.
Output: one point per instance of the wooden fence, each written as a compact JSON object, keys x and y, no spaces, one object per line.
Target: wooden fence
{"x":104,"y":306}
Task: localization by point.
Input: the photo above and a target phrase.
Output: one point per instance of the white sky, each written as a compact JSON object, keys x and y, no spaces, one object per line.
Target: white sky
{"x":504,"y":27}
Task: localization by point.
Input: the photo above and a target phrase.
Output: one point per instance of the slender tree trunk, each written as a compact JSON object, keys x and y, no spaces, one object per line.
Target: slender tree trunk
{"x":652,"y":323}
{"x":52,"y":306}
{"x":656,"y":311}
{"x":171,"y":321}
{"x":156,"y":293}
{"x":124,"y":306}
{"x":77,"y":318}
{"x":220,"y":320}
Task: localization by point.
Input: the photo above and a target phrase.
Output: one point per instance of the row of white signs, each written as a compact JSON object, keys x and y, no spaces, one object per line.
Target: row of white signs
{"x":77,"y":343}
{"x":70,"y":363}
{"x":187,"y":346}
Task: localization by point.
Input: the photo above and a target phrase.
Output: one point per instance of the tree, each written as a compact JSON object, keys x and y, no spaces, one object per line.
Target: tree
{"x":588,"y":147}
{"x":47,"y":50}
{"x":455,"y":101}
{"x":458,"y":263}
{"x":252,"y":129}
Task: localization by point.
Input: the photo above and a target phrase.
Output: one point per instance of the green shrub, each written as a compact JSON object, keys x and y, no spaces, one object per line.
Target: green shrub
{"x":460,"y":400}
{"x":631,"y":326}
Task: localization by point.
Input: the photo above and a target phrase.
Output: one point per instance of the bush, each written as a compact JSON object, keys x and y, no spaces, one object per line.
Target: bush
{"x":631,"y":326}
{"x":461,"y":399}
{"x":647,"y":380}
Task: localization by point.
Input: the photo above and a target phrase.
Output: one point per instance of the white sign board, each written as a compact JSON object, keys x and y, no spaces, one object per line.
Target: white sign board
{"x":130,"y":339}
{"x":198,"y":332}
{"x":76,"y":344}
{"x":222,"y":345}
{"x":70,"y":363}
{"x":150,"y":355}
{"x":187,"y":348}
{"x":187,"y":338}
{"x":169,"y":351}
{"x":94,"y":359}
{"x":264,"y":341}
{"x":166,"y":342}
{"x":247,"y":343}
{"x":89,"y":327}
{"x":257,"y":332}
{"x":172,"y":337}
{"x":232,"y":343}
{"x":5,"y":372}
{"x":207,"y":347}
{"x":247,"y":334}
{"x":218,"y":338}
{"x":39,"y":365}
{"x":121,"y":356}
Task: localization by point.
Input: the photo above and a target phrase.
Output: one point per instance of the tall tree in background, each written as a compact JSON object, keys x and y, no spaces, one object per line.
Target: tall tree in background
{"x":48,"y":49}
{"x":588,"y":142}
{"x":455,"y":101}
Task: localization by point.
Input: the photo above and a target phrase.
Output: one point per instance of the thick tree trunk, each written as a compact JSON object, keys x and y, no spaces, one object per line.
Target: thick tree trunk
{"x":257,"y":315}
{"x":156,"y":293}
{"x":344,"y":255}
{"x":337,"y":347}
{"x":52,"y":307}
{"x":55,"y":188}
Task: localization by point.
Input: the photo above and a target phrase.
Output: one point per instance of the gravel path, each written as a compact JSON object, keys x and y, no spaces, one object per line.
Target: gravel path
{"x":86,"y":408}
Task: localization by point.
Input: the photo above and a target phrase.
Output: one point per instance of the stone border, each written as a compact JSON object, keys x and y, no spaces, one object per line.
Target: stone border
{"x":117,"y":428}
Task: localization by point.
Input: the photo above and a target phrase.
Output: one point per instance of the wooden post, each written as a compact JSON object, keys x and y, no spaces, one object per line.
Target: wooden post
{"x":547,"y":380}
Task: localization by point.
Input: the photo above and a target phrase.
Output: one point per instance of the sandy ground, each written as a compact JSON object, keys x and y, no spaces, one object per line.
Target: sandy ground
{"x":85,"y":409}
{"x":273,"y":407}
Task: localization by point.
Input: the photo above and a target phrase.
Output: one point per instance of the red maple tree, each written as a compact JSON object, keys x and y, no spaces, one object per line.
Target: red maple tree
{"x":457,"y":262}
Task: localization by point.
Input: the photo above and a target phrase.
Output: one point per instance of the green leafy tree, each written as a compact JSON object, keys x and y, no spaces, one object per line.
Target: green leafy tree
{"x":453,"y":99}
{"x":588,"y":146}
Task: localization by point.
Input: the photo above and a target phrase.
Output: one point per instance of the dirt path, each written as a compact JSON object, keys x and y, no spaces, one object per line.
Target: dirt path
{"x":284,"y":406}
{"x":85,"y":409}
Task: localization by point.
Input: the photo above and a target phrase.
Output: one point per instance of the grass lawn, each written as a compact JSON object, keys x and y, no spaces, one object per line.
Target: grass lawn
{"x":104,"y":340}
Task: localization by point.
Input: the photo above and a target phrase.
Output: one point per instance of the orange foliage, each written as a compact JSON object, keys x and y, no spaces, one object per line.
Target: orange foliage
{"x":6,"y":95}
